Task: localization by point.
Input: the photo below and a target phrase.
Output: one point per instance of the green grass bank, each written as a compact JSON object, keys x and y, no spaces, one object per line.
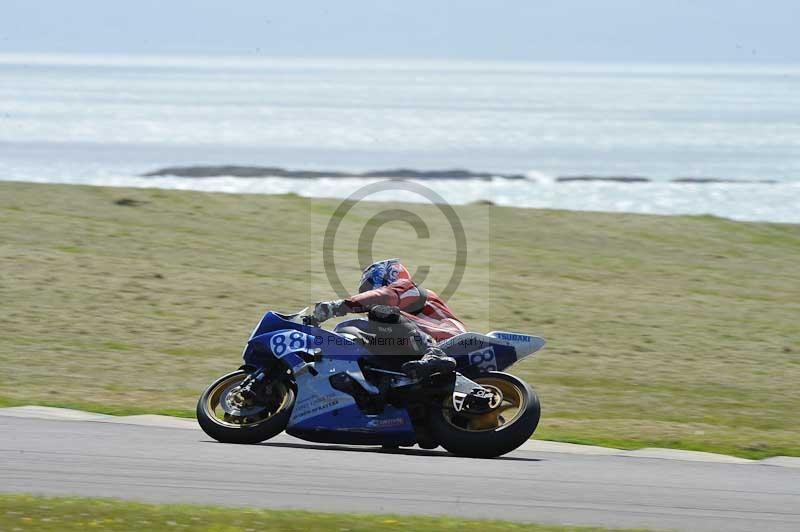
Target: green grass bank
{"x":662,"y":331}
{"x":64,"y":514}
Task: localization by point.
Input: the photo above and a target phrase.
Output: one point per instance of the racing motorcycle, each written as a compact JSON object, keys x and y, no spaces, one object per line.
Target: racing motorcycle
{"x":328,"y":386}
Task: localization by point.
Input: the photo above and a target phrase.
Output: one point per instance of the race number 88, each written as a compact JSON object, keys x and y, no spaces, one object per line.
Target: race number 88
{"x":287,"y":342}
{"x":484,"y":359}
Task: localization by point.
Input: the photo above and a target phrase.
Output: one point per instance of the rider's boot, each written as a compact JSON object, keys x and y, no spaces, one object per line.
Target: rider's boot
{"x":434,"y":361}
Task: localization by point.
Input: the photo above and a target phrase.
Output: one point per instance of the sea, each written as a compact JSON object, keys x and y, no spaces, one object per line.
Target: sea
{"x":699,"y":139}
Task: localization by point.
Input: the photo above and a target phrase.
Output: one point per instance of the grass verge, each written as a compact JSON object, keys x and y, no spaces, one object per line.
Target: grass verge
{"x":662,"y":331}
{"x":26,"y":512}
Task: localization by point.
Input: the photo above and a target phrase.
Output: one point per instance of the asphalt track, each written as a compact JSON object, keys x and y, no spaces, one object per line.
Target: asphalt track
{"x":161,"y":464}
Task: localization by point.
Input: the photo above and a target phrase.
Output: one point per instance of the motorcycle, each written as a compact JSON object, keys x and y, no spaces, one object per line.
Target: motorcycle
{"x":328,"y":386}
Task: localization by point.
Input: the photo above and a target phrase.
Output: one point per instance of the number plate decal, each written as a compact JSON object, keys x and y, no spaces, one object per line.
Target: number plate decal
{"x":484,"y":359}
{"x":288,"y":342}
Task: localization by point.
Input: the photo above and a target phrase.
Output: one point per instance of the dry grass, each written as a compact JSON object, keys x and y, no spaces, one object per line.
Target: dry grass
{"x":663,"y":331}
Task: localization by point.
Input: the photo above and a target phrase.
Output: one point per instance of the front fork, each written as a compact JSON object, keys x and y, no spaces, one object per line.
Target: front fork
{"x":253,"y":386}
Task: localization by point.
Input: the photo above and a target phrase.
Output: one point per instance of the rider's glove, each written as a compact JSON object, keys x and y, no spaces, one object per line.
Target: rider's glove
{"x":326,"y":310}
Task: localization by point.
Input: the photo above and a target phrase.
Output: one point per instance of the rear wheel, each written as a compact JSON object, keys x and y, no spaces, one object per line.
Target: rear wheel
{"x":229,"y":415}
{"x":495,"y":432}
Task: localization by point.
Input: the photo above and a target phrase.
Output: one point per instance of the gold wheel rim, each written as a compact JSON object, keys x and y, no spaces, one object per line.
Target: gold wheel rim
{"x":212,"y":405}
{"x":508,"y":412}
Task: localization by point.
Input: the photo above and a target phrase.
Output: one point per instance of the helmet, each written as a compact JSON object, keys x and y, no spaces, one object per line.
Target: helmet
{"x":382,"y":273}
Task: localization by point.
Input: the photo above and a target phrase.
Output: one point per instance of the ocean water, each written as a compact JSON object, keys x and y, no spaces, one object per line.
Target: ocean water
{"x":107,"y":120}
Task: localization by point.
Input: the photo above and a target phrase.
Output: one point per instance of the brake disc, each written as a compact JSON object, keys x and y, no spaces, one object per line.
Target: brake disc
{"x":234,"y":404}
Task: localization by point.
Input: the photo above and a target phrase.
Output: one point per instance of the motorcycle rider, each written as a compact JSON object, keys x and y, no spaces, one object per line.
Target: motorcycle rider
{"x":386,"y":284}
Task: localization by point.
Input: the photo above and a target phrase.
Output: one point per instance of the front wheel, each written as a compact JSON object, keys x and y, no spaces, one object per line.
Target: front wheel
{"x":228,"y":415}
{"x":493,"y":433}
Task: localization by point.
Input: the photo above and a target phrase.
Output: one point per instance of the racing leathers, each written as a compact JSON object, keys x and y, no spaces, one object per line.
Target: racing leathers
{"x":423,"y":307}
{"x":420,"y":307}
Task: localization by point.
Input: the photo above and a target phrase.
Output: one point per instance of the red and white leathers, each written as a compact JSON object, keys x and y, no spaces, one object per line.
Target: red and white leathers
{"x":421,"y":306}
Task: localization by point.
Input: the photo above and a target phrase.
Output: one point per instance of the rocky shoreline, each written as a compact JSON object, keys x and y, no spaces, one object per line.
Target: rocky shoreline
{"x":275,"y":171}
{"x":407,"y":173}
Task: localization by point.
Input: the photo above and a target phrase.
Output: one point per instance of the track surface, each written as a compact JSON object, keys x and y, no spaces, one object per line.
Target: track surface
{"x":175,"y":465}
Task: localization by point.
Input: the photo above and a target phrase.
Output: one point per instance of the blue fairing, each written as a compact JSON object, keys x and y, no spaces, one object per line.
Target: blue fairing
{"x":349,"y":425}
{"x":496,"y":351}
{"x":259,"y":350}
{"x":482,"y":354}
{"x":322,"y":413}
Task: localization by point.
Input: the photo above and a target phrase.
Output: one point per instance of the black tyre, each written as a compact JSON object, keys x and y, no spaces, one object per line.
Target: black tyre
{"x":250,"y":423}
{"x":494,"y":433}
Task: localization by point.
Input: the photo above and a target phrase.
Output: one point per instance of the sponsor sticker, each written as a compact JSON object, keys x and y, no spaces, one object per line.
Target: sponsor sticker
{"x":515,"y":337}
{"x":384,"y":423}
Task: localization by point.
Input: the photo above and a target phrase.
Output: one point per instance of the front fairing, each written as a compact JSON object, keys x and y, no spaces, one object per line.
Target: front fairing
{"x":322,"y":413}
{"x":275,"y":329}
{"x":272,"y":321}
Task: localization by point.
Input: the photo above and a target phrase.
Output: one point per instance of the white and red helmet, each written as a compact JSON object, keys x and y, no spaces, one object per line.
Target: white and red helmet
{"x":382,"y":273}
